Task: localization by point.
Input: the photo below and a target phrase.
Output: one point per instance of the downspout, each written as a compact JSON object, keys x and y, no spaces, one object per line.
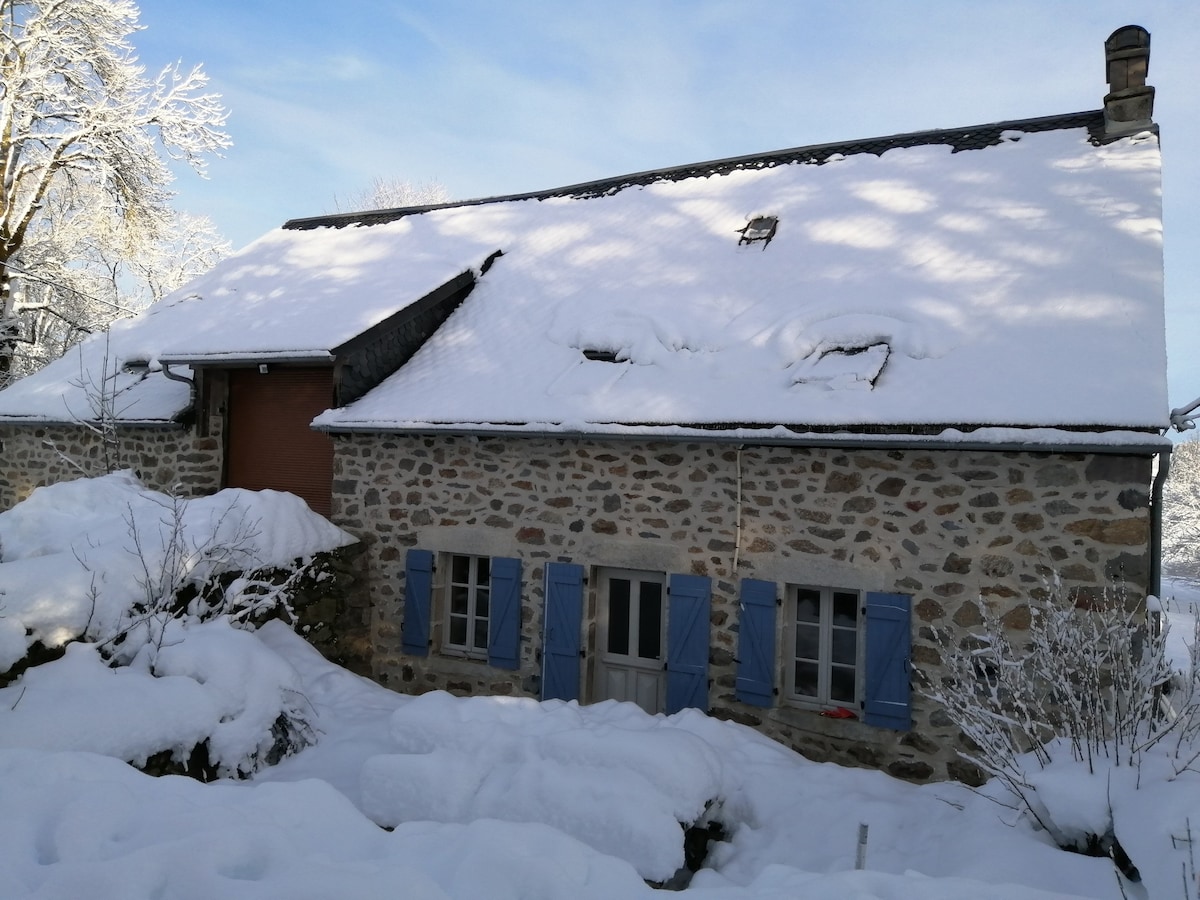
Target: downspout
{"x":190,"y":382}
{"x":1156,"y":521}
{"x":737,"y":536}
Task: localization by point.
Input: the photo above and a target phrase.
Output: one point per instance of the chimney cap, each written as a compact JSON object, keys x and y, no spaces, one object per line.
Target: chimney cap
{"x":1128,"y":37}
{"x":1129,"y":104}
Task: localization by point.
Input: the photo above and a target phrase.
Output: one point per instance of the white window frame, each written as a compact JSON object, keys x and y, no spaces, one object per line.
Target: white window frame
{"x":635,"y":576}
{"x":473,"y":588}
{"x":824,"y":661}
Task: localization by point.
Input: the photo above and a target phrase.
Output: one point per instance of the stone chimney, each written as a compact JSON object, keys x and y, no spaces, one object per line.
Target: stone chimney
{"x":1129,"y":104}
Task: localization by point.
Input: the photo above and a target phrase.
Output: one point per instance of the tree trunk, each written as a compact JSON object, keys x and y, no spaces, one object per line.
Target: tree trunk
{"x":9,"y":329}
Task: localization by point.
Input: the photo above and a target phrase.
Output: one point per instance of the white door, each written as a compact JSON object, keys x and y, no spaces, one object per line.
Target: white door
{"x":632,"y":617}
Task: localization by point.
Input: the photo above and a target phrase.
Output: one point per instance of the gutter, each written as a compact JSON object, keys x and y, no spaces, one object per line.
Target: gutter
{"x":244,"y":360}
{"x":867,"y":443}
{"x":75,"y":423}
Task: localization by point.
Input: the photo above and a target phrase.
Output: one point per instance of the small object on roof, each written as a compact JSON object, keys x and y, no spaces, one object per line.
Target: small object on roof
{"x":759,"y":228}
{"x":601,"y":355}
{"x":839,"y":712}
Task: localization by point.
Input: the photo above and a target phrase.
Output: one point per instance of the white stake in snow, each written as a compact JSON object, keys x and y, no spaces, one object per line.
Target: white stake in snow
{"x":860,"y":856}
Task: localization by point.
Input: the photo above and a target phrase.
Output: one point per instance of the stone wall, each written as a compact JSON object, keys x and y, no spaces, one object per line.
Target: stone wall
{"x":954,"y":529}
{"x":333,"y":609}
{"x":163,"y":457}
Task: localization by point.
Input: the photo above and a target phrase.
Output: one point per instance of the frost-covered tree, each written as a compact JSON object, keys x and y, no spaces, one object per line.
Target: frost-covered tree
{"x":1090,"y":690}
{"x":1181,"y":512}
{"x":85,"y":138}
{"x":393,"y":193}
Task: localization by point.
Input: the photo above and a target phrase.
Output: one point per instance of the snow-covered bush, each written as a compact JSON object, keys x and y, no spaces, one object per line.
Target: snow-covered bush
{"x":1088,"y":688}
{"x":621,"y":781}
{"x":214,"y":687}
{"x":109,"y":561}
{"x":158,"y":585}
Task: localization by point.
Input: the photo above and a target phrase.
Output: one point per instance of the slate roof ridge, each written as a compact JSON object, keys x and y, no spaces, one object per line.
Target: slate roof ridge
{"x":970,"y":137}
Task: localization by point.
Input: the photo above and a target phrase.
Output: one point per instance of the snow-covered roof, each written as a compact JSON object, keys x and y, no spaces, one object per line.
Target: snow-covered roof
{"x":1008,"y":276}
{"x":290,"y":296}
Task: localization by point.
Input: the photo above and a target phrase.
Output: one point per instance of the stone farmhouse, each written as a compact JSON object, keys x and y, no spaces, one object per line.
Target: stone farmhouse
{"x":734,"y":436}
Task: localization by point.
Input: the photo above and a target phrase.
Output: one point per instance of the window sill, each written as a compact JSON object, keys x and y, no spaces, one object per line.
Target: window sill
{"x":465,"y":655}
{"x":825,"y":710}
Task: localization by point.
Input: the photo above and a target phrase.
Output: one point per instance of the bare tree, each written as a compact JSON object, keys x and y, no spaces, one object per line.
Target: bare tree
{"x":393,"y":193}
{"x":84,"y":142}
{"x":1181,"y":512}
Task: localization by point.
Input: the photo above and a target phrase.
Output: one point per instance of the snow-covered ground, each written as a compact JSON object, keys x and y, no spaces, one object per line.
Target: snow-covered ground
{"x":481,"y":797}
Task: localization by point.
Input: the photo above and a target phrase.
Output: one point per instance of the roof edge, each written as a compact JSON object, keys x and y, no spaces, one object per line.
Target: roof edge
{"x":970,"y":137}
{"x":37,"y":421}
{"x":1028,"y":439}
{"x":242,"y":358}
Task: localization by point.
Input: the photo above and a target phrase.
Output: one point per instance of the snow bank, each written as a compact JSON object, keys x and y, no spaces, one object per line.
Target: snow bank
{"x":77,"y":556}
{"x":79,"y":824}
{"x":611,"y":776}
{"x":210,"y":682}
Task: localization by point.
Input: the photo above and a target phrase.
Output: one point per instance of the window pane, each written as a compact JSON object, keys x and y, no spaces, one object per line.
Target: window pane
{"x":845,"y":646}
{"x":483,"y":573}
{"x":845,"y":609}
{"x":458,"y":631}
{"x":460,"y":569}
{"x":482,"y":599}
{"x":481,"y":634}
{"x":458,"y":600}
{"x":841,"y":684}
{"x":808,"y":605}
{"x":808,"y":642}
{"x":806,"y":679}
{"x":650,"y":620}
{"x":618,"y":616}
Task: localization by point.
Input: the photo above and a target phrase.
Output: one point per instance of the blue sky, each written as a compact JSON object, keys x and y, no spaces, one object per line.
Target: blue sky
{"x":494,"y":97}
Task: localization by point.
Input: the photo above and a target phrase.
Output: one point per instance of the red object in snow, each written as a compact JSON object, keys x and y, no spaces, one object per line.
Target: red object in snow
{"x":838,"y":712}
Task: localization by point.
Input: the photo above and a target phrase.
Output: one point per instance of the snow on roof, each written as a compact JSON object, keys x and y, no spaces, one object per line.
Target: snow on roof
{"x":290,"y":295}
{"x":920,"y":287}
{"x":1019,"y":285}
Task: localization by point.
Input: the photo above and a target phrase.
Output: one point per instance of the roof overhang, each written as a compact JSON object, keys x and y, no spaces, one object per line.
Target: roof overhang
{"x":1026,"y":440}
{"x":243,"y":359}
{"x":37,"y":422}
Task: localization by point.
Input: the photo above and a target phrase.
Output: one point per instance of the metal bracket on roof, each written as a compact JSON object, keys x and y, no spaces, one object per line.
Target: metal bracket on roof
{"x":1183,"y":418}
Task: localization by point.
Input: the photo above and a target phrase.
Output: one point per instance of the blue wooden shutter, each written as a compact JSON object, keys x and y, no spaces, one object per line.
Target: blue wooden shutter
{"x":889,"y":637}
{"x":756,"y":643}
{"x":418,"y":597}
{"x":504,"y":614}
{"x":562,"y":642}
{"x":689,"y":598}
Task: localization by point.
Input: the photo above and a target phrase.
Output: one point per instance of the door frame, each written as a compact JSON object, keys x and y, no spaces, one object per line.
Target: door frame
{"x":643,"y":669}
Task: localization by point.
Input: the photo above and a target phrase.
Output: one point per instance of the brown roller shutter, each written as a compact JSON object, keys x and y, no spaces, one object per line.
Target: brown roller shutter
{"x":270,"y":443}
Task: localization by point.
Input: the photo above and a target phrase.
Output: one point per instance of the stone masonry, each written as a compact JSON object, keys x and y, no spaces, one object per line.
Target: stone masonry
{"x":164,"y":458}
{"x":955,"y":529}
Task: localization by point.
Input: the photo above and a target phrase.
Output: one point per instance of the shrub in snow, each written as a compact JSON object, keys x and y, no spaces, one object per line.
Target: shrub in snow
{"x":156,"y":584}
{"x":107,"y":560}
{"x":214,"y":687}
{"x":1087,"y":693}
{"x":618,"y":780}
